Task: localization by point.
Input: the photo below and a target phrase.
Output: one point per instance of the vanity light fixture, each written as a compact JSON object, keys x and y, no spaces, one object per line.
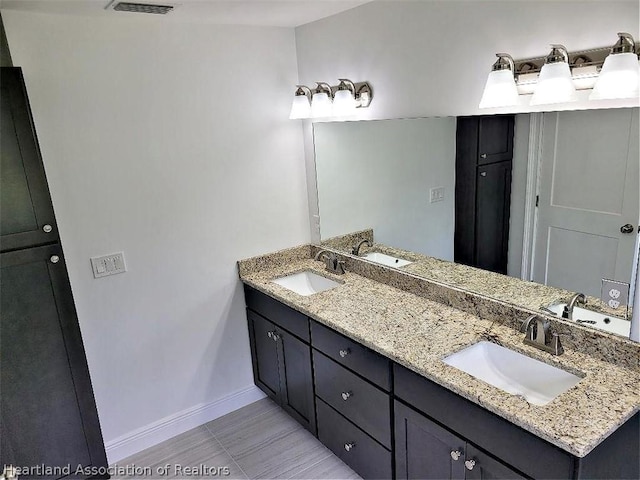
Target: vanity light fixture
{"x":301,"y":106}
{"x":612,"y":73}
{"x":326,"y":101}
{"x":555,"y":84}
{"x":500,"y":89}
{"x":620,"y":74}
{"x":321,"y":101}
{"x":344,"y":100}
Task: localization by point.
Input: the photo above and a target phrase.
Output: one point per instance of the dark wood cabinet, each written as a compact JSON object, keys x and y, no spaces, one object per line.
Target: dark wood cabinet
{"x":353,"y":386}
{"x":282,"y":362}
{"x":493,"y":191}
{"x":47,"y":409}
{"x":27,"y":218}
{"x":481,"y":466}
{"x":353,"y":446}
{"x":484,"y":151}
{"x":355,"y":398}
{"x":48,"y":414}
{"x":495,"y":138}
{"x":425,"y":450}
{"x":357,"y":358}
{"x":411,"y":428}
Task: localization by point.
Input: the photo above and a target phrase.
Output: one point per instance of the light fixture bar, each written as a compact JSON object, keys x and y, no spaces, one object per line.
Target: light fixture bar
{"x":585,"y":68}
{"x":331,"y":100}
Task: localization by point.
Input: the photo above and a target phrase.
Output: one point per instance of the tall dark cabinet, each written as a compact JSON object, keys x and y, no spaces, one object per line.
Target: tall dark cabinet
{"x":48,"y":415}
{"x":484,"y":152}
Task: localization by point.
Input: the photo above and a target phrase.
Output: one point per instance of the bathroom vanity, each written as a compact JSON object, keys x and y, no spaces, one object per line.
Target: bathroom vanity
{"x":360,"y":366}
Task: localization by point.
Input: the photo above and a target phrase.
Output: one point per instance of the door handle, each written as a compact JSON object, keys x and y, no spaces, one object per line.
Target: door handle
{"x":628,"y":228}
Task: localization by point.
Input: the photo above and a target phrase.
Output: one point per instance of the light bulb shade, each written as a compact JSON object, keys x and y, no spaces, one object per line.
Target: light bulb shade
{"x":300,"y":108}
{"x":554,"y":85}
{"x":619,"y":78}
{"x":344,"y":103}
{"x":320,"y":105}
{"x":500,"y":90}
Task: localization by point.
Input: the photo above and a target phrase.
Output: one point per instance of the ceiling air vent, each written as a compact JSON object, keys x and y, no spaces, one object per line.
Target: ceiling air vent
{"x":141,"y":7}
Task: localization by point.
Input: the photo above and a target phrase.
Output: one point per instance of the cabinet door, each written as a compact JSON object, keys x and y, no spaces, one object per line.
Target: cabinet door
{"x":425,"y":450}
{"x":27,"y":218}
{"x":493,"y":202}
{"x":495,"y":139}
{"x":264,"y":351}
{"x":480,"y":466}
{"x":48,"y":411}
{"x":296,"y":379}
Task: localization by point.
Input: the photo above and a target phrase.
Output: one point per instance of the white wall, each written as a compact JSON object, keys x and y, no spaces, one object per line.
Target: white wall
{"x":170,"y":142}
{"x":361,"y":168}
{"x":431,"y":58}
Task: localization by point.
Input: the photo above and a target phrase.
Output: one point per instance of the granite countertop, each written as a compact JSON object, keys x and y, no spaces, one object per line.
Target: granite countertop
{"x":518,"y":292}
{"x":417,"y":333}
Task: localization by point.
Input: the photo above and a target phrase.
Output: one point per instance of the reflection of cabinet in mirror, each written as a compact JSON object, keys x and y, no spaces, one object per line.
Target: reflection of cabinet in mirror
{"x":484,"y":150}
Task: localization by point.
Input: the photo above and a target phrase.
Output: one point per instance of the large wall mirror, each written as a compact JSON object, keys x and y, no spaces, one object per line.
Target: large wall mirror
{"x":560,"y":209}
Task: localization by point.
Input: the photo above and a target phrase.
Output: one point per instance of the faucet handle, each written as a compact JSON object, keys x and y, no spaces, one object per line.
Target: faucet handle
{"x":555,"y":343}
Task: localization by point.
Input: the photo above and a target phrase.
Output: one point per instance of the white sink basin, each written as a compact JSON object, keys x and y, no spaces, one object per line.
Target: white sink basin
{"x":387,"y":260}
{"x":306,"y":283}
{"x":513,"y":372}
{"x":610,"y":324}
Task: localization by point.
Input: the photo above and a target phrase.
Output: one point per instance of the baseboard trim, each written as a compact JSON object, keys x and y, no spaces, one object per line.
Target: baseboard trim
{"x":167,"y":427}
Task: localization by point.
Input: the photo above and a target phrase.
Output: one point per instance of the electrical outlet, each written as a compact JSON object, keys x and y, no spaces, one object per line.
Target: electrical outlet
{"x":108,"y":265}
{"x":614,"y":293}
{"x":437,"y":194}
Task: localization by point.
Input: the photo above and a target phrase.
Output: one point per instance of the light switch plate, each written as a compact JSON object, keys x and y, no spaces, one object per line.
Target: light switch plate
{"x":615,"y":294}
{"x":437,"y":194}
{"x":108,"y":265}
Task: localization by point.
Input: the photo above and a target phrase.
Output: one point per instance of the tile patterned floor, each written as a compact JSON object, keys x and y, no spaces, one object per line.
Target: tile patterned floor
{"x":257,"y":441}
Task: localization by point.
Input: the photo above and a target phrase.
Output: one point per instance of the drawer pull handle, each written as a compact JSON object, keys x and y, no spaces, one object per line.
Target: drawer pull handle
{"x":349,"y":446}
{"x":470,"y":464}
{"x":346,"y":395}
{"x":345,"y":352}
{"x":455,"y":454}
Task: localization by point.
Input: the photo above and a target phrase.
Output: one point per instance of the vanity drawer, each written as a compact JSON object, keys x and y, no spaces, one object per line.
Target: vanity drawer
{"x":358,"y":400}
{"x":371,"y":365}
{"x":501,"y":438}
{"x":277,"y":312}
{"x":366,"y":456}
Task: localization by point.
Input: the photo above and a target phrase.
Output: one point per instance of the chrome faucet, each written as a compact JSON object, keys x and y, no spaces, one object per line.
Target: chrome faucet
{"x":356,"y":250}
{"x":578,"y":298}
{"x":537,"y":334}
{"x":331,"y":261}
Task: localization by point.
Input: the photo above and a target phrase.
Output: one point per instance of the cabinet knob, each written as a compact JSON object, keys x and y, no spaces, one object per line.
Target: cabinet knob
{"x":469,"y":464}
{"x":270,"y":334}
{"x":455,"y":454}
{"x":627,"y":228}
{"x":47,"y":228}
{"x":345,"y":352}
{"x":346,"y":395}
{"x":275,"y":337}
{"x":54,"y":259}
{"x":349,"y":446}
{"x":484,"y":155}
